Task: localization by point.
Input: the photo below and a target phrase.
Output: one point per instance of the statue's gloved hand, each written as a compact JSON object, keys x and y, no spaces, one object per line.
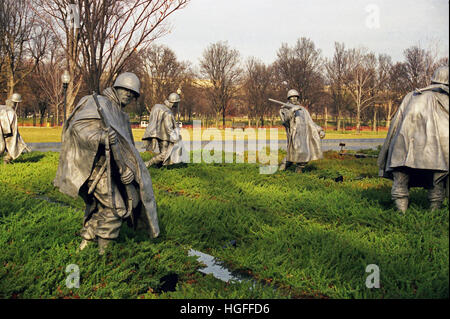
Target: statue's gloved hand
{"x":322,"y":133}
{"x":111,"y":135}
{"x":127,"y":177}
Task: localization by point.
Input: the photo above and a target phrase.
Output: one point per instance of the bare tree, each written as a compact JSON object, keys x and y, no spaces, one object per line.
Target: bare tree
{"x":336,"y":70}
{"x":420,"y":65}
{"x":109,"y":33}
{"x":360,"y":80}
{"x":221,"y":66}
{"x":21,"y":44}
{"x":301,"y":67}
{"x":46,"y":82}
{"x":258,"y":87}
{"x":161,"y":73}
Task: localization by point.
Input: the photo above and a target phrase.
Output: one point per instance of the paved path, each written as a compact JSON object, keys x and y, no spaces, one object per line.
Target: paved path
{"x":328,"y":144}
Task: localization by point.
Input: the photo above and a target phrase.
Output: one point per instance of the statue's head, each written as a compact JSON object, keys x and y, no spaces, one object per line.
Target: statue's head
{"x":440,"y":76}
{"x":16,"y":98}
{"x":293,"y":96}
{"x":127,"y":86}
{"x":173,"y":99}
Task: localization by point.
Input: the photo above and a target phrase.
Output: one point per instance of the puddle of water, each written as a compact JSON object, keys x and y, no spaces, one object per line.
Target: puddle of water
{"x":214,"y":267}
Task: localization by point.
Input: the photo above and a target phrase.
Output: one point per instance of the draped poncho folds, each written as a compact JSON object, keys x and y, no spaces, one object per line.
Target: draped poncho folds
{"x":303,"y":140}
{"x":163,"y":127}
{"x":418,"y":137}
{"x":80,"y":147}
{"x":10,"y":139}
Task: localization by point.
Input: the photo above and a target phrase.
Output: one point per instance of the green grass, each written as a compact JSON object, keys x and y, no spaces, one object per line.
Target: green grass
{"x":305,"y":234}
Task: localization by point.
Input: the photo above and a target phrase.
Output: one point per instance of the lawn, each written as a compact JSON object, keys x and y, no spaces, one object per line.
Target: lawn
{"x":53,"y":134}
{"x":298,"y":235}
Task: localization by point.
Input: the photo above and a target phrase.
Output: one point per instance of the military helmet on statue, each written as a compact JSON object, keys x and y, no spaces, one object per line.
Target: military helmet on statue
{"x":440,"y":75}
{"x":173,"y":98}
{"x":128,"y":81}
{"x":16,"y":97}
{"x":292,"y":93}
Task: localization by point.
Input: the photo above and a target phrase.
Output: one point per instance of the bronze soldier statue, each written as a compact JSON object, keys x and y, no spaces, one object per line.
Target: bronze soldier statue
{"x":163,"y":132}
{"x":303,"y":135}
{"x":11,"y":143}
{"x":100,"y":163}
{"x":415,"y":152}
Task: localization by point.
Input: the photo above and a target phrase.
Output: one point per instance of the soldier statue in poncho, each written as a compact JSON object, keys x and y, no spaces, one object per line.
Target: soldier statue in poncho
{"x":415,"y":152}
{"x":11,"y":143}
{"x":100,"y":163}
{"x":303,"y":135}
{"x":163,"y":133}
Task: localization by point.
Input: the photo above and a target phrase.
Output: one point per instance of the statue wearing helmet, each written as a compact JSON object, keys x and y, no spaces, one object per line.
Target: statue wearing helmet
{"x":11,"y":143}
{"x":303,"y":135}
{"x":100,"y":163}
{"x":163,"y":133}
{"x":416,"y":150}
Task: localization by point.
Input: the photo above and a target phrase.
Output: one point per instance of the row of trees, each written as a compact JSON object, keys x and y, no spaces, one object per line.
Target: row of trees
{"x":96,"y":40}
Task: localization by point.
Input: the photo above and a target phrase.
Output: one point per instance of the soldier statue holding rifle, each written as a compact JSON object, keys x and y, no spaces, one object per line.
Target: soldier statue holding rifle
{"x":416,"y":150}
{"x":303,"y":135}
{"x":100,"y":163}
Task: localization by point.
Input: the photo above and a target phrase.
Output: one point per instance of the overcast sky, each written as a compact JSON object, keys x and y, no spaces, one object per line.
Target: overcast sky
{"x":259,"y":27}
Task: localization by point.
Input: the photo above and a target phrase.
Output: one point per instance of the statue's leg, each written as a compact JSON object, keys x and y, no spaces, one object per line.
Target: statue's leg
{"x":400,"y":191}
{"x":158,"y":159}
{"x":104,"y":224}
{"x":7,"y":158}
{"x":436,"y":195}
{"x":299,"y":167}
{"x":285,"y":164}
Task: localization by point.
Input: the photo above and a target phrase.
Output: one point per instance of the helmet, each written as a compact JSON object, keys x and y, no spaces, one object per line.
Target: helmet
{"x":292,"y":93}
{"x":440,"y":75}
{"x":128,"y":81}
{"x":16,"y":97}
{"x":173,"y":98}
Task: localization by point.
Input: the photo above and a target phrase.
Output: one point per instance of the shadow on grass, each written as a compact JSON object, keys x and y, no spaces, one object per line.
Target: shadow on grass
{"x":32,"y":158}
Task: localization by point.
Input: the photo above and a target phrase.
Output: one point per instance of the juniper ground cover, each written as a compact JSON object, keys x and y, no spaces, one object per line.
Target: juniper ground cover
{"x":297,"y":235}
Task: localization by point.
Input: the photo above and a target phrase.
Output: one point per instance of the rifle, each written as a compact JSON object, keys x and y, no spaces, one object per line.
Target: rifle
{"x":285,"y":104}
{"x":119,"y":161}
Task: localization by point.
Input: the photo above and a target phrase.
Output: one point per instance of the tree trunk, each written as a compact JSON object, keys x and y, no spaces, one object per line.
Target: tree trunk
{"x":358,"y":119}
{"x":325,"y":117}
{"x":389,"y":115}
{"x":374,"y":124}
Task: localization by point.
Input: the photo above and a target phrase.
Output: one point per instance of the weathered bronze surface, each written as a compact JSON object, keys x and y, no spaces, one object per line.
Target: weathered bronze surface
{"x":162,"y":134}
{"x":100,"y":163}
{"x":416,"y":150}
{"x":11,"y":143}
{"x":303,"y":135}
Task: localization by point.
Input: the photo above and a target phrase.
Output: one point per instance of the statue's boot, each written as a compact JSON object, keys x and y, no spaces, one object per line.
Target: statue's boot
{"x":434,"y":205}
{"x":84,"y":244}
{"x":401,"y":204}
{"x":7,"y":159}
{"x":151,"y":162}
{"x":299,"y":169}
{"x":282,"y":167}
{"x":102,"y":245}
